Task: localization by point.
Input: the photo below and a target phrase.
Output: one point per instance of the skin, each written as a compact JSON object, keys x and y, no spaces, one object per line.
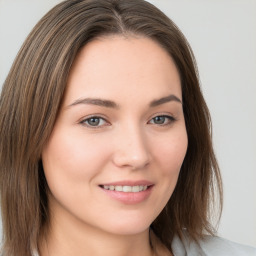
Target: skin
{"x":128,"y":142}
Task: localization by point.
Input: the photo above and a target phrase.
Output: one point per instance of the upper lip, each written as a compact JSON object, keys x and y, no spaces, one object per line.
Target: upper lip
{"x":128,"y":183}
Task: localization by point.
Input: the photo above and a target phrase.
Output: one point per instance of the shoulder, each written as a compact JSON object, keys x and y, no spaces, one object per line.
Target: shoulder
{"x":211,"y":246}
{"x":218,"y":246}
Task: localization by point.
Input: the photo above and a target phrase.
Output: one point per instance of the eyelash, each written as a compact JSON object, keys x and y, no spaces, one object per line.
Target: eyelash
{"x":85,"y":122}
{"x":168,"y":120}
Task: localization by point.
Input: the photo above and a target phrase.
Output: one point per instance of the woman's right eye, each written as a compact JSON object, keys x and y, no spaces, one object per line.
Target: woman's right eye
{"x":94,"y":122}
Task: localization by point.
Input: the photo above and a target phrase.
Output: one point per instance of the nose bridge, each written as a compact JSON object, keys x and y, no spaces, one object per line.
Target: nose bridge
{"x":131,"y":147}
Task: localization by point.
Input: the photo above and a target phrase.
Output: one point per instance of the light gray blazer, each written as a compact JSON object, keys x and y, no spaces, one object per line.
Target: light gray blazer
{"x":211,"y":246}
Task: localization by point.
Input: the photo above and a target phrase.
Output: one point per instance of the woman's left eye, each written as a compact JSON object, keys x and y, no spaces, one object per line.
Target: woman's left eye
{"x":94,"y":121}
{"x":162,"y":120}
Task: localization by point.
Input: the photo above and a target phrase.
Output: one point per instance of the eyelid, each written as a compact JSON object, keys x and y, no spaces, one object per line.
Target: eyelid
{"x":84,"y":119}
{"x":171,"y":118}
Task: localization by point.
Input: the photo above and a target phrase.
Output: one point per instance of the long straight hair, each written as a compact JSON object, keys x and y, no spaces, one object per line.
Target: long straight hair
{"x":31,"y":99}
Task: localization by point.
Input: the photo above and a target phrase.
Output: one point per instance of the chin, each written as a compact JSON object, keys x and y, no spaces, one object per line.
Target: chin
{"x":129,"y":225}
{"x":128,"y":230}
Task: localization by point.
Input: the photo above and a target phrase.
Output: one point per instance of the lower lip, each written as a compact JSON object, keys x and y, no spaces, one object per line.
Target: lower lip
{"x":129,"y":197}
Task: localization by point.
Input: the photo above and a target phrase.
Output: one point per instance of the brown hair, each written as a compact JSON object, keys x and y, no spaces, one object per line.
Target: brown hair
{"x":31,"y":98}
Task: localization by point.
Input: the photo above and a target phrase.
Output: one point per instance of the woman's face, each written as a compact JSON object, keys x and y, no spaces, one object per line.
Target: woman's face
{"x":115,"y":153}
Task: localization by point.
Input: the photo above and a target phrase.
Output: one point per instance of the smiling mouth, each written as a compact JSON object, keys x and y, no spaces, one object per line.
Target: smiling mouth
{"x":126,"y":189}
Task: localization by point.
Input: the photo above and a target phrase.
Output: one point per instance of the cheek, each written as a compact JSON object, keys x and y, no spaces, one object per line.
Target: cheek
{"x":168,"y":155}
{"x":171,"y":153}
{"x":71,"y":158}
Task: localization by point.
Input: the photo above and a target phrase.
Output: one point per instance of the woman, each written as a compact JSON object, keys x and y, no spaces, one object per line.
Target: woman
{"x":105,"y":138}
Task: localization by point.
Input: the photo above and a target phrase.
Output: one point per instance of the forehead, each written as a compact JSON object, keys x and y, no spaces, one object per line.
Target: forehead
{"x":114,"y":66}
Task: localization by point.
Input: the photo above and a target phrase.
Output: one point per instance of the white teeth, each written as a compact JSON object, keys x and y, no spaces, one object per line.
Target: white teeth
{"x":135,"y":188}
{"x":118,"y":188}
{"x":126,"y":189}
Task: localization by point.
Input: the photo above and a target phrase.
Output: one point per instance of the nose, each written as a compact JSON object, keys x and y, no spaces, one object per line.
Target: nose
{"x":131,"y":149}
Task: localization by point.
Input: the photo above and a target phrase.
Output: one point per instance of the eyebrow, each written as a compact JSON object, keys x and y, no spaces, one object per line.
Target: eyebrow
{"x":95,"y":101}
{"x":163,"y":100}
{"x":112,"y":104}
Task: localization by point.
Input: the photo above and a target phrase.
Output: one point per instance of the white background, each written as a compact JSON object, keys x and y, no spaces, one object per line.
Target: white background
{"x":222,"y":34}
